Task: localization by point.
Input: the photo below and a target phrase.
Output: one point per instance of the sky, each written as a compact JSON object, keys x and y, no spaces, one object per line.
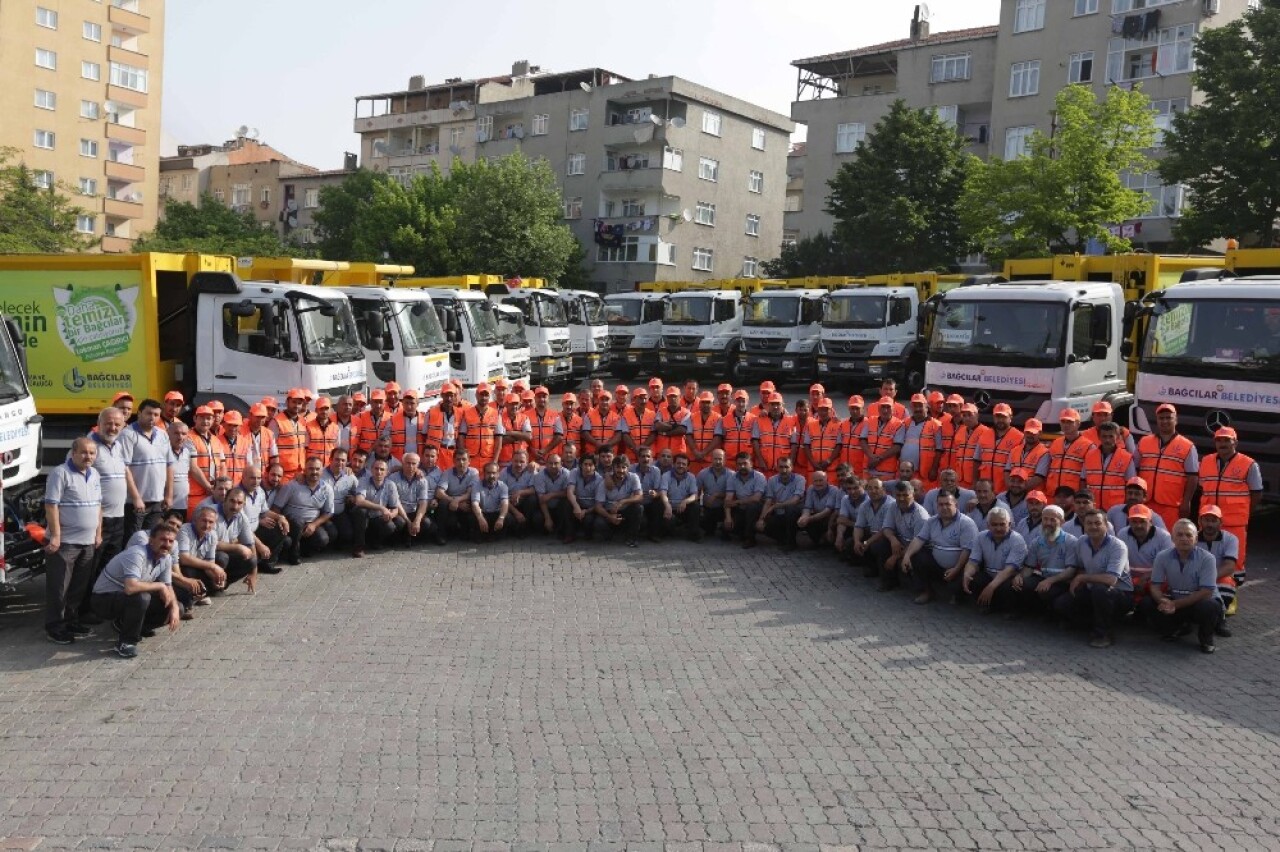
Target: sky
{"x":293,"y":68}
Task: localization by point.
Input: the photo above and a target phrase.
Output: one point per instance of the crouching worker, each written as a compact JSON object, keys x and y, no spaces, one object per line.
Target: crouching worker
{"x":1183,"y":593}
{"x":135,"y":592}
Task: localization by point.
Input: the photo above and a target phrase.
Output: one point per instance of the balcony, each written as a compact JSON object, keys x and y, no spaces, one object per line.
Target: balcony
{"x":121,"y":95}
{"x":632,"y":179}
{"x":126,"y":172}
{"x":130,"y":135}
{"x":130,"y":22}
{"x":423,"y":118}
{"x":128,"y":57}
{"x":117,"y":245}
{"x":122,"y":209}
{"x":643,"y":133}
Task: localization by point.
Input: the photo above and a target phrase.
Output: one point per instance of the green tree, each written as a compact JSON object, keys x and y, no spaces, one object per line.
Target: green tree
{"x":575,"y":276}
{"x":1225,"y":148}
{"x":895,"y":202}
{"x":35,"y":220}
{"x":1069,"y":187}
{"x":816,"y":255}
{"x":212,"y":228}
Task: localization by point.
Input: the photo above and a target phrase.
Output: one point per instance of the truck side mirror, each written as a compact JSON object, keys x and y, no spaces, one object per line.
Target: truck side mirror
{"x":1098,"y":352}
{"x":242,"y":309}
{"x":1126,"y":349}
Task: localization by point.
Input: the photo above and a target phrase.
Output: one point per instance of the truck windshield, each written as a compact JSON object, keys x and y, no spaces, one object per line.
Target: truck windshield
{"x":484,"y":328}
{"x":773,"y":311}
{"x":633,"y":311}
{"x":544,"y":310}
{"x":327,"y":340}
{"x":981,"y":332}
{"x":689,"y":310}
{"x":1214,"y":338}
{"x":419,"y":327}
{"x":12,"y":385}
{"x":853,"y":311}
{"x":511,"y":329}
{"x":593,"y":310}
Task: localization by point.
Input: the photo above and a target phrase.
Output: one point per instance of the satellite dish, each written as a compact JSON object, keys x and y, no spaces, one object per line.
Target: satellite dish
{"x":586,"y":87}
{"x":253,"y":133}
{"x":242,"y":130}
{"x":657,"y":121}
{"x":924,"y":11}
{"x":677,"y":122}
{"x":643,"y":135}
{"x":686,"y":215}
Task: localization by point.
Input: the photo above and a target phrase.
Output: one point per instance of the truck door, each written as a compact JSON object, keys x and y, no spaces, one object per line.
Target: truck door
{"x":257,"y":353}
{"x":1092,"y":362}
{"x":376,"y":339}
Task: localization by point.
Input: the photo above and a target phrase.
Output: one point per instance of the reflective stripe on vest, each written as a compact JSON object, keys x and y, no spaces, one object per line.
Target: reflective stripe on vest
{"x":775,"y":439}
{"x":702,"y":432}
{"x":1106,"y":479}
{"x":1164,"y":468}
{"x":322,"y":441}
{"x":1066,"y":464}
{"x":481,"y":437}
{"x":737,"y":436}
{"x":1228,"y":488}
{"x":823,"y":439}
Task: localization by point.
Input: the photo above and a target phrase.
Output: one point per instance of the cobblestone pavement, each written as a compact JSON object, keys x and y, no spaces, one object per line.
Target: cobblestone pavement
{"x":538,"y":696}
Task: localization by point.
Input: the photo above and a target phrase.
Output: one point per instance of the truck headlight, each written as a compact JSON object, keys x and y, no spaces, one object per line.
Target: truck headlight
{"x":788,"y":365}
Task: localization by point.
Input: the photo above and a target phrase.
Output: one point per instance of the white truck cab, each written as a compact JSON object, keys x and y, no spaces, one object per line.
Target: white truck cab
{"x":780,"y":333}
{"x":546,"y":328}
{"x":1039,"y":346}
{"x":588,"y":331}
{"x":515,"y":347}
{"x":20,"y":435}
{"x":867,"y":334}
{"x":702,"y":331}
{"x":476,"y":353}
{"x":402,"y":339}
{"x":635,"y":332}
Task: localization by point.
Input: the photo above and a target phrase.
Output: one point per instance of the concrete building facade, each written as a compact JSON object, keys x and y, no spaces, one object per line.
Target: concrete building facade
{"x":81,"y":101}
{"x":997,"y":84}
{"x":300,"y":198}
{"x":663,"y":179}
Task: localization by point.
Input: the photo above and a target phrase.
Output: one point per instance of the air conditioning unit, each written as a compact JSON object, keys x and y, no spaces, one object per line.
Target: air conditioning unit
{"x":1212,"y":7}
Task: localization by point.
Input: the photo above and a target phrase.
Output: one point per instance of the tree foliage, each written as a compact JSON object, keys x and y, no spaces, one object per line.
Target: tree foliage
{"x":35,"y":220}
{"x":816,"y":255}
{"x":213,"y":228}
{"x":894,"y":203}
{"x":1070,"y":186}
{"x":501,"y":217}
{"x":1225,"y":150}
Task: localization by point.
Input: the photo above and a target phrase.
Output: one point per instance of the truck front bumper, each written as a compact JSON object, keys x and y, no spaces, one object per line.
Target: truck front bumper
{"x":774,"y":364}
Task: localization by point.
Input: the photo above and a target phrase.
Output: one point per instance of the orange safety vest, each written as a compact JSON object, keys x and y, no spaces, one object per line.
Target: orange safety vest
{"x":398,"y":430}
{"x":236,"y":458}
{"x":1019,"y":456}
{"x":879,"y":437}
{"x":519,"y":423}
{"x":996,"y":457}
{"x":1091,"y":433}
{"x":640,"y":428}
{"x":543,"y":429}
{"x":823,"y":440}
{"x":701,"y":434}
{"x":291,"y":444}
{"x":1106,"y":479}
{"x":737,"y":436}
{"x":663,"y":442}
{"x":1227,"y":487}
{"x":1164,"y":467}
{"x":481,"y":437}
{"x":365,"y":432}
{"x":598,"y":431}
{"x":852,"y":453}
{"x":572,"y":430}
{"x":441,"y":433}
{"x":928,"y":449}
{"x":801,"y":460}
{"x":1066,"y":464}
{"x":777,"y":438}
{"x":210,"y":458}
{"x":947,"y":427}
{"x":260,"y":449}
{"x":980,"y":437}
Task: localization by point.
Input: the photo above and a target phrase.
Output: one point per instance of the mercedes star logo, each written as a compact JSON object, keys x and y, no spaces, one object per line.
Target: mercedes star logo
{"x":1217,"y":419}
{"x":982,"y":399}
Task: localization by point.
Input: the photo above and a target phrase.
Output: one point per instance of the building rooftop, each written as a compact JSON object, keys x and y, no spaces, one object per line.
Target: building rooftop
{"x":846,"y":63}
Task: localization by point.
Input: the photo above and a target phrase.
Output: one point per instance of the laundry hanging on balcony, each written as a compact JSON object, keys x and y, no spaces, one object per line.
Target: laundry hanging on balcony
{"x":608,"y":235}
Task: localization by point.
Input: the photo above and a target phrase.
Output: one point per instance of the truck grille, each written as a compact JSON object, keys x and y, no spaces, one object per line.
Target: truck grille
{"x":764,"y":344}
{"x":518,"y":369}
{"x":680,"y":341}
{"x":620,"y":341}
{"x":561,"y":347}
{"x":857,"y":348}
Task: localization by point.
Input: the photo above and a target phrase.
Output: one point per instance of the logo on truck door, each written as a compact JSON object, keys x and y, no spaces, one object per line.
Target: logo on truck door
{"x":96,"y":323}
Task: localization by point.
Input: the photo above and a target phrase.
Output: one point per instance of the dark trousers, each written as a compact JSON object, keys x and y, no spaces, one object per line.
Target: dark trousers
{"x":744,"y":520}
{"x":688,"y":522}
{"x":273,"y":540}
{"x":1204,"y":615}
{"x":1040,"y":602}
{"x":588,"y":526}
{"x":112,"y":543}
{"x":654,"y":524}
{"x":378,"y":530}
{"x":816,"y":529}
{"x":1096,"y":605}
{"x":351,"y":526}
{"x":1004,"y":598}
{"x":927,"y":573}
{"x":527,"y":506}
{"x":427,"y":530}
{"x":491,"y":520}
{"x":781,"y":525}
{"x":134,"y":612}
{"x":144,"y":520}
{"x":878,"y":553}
{"x":66,"y":582}
{"x":455,"y":524}
{"x":632,"y":514}
{"x":318,"y":542}
{"x":558,"y":509}
{"x":712,"y":515}
{"x":236,"y":566}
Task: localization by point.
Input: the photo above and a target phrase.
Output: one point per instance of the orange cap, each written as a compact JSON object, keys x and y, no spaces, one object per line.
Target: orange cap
{"x":969,"y":408}
{"x":324,"y":403}
{"x":233,"y":417}
{"x":1211,"y":510}
{"x":1225,"y":432}
{"x":936,"y":396}
{"x":1166,"y":406}
{"x":526,"y":395}
{"x":724,"y":387}
{"x":483,"y":387}
{"x":1068,"y":414}
{"x":203,"y":410}
{"x":258,"y":410}
{"x":174,"y":396}
{"x":216,"y":405}
{"x":1021,"y":473}
{"x":857,"y":400}
{"x":1102,"y":407}
{"x":1034,"y":426}
{"x":409,"y":393}
{"x":358,"y":397}
{"x":920,"y":398}
{"x":954,"y":399}
{"x":1139,"y":511}
{"x":673,"y":391}
{"x":542,"y":390}
{"x":741,"y":394}
{"x":1002,"y":408}
{"x":817,"y":387}
{"x":570,"y":397}
{"x":825,"y":402}
{"x":706,"y":396}
{"x":1037,"y":496}
{"x":377,"y":393}
{"x":121,"y":395}
{"x":391,"y":387}
{"x":1136,"y":482}
{"x":767,"y":385}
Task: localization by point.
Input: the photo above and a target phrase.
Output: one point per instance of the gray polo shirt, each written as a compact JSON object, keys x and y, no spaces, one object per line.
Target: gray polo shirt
{"x":136,"y":562}
{"x":979,"y":514}
{"x":299,"y":502}
{"x":1225,"y":546}
{"x":489,"y":497}
{"x":180,"y":462}
{"x":343,"y":486}
{"x":1183,"y":578}
{"x":848,"y":508}
{"x":963,"y":497}
{"x":393,"y":464}
{"x":587,"y":492}
{"x":522,"y":481}
{"x":870,"y":516}
{"x":746,"y":487}
{"x":995,"y":556}
{"x":947,"y":542}
{"x":111,"y":467}
{"x":236,"y":530}
{"x":713,"y":486}
{"x":544,"y":483}
{"x":148,"y":460}
{"x":411,"y":491}
{"x":455,"y":485}
{"x":780,"y":492}
{"x":678,"y":488}
{"x":906,"y":525}
{"x":433,"y":480}
{"x":615,"y":492}
{"x":255,"y":504}
{"x":386,"y":495}
{"x":201,"y":547}
{"x":1049,"y":558}
{"x":1143,"y":553}
{"x":1111,"y":557}
{"x":819,"y":500}
{"x":1118,"y":517}
{"x":78,"y":497}
{"x":650,"y":480}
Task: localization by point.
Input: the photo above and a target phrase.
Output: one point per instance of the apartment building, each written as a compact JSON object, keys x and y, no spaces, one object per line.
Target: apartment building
{"x":81,"y":101}
{"x":1037,"y":48}
{"x":300,"y":198}
{"x":663,"y":179}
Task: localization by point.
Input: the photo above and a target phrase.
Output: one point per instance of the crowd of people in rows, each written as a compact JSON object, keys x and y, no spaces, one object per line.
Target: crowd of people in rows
{"x":151,"y":516}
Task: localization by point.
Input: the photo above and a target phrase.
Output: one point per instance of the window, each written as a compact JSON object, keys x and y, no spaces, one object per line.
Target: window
{"x":750,"y":265}
{"x":755,"y":181}
{"x":92,"y":31}
{"x":455,"y":137}
{"x":252,"y":334}
{"x":1082,"y":327}
{"x":188,"y":181}
{"x":90,"y":109}
{"x":627,"y":252}
{"x":1028,"y":15}
{"x":85,"y":224}
{"x":540,"y":123}
{"x":1168,"y":51}
{"x":632,"y":207}
{"x":310,"y":197}
{"x":948,"y":115}
{"x":484,"y":128}
{"x":708,"y":169}
{"x":1015,"y":141}
{"x":42,"y":178}
{"x":241,"y":195}
{"x":128,"y":77}
{"x":757,"y":138}
{"x":1024,"y":79}
{"x":88,"y":186}
{"x":703,"y":258}
{"x":711,"y":123}
{"x":88,"y":147}
{"x":573,"y":208}
{"x":753,"y":225}
{"x":704,"y":213}
{"x":948,"y":67}
{"x":44,"y":139}
{"x":46,"y":59}
{"x":579,"y":118}
{"x":577,"y":164}
{"x":1086,"y":7}
{"x":266,"y":195}
{"x":665,"y":253}
{"x":850,"y":136}
{"x":626,"y":162}
{"x":673,"y":159}
{"x":899,"y":311}
{"x":1119,"y":6}
{"x":220,"y":195}
{"x":1080,"y":67}
{"x":1166,"y":201}
{"x":1165,"y":110}
{"x":90,"y":70}
{"x":46,"y":99}
{"x":46,"y":18}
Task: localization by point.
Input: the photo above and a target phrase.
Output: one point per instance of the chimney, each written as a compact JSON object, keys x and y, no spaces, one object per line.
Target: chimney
{"x":920,"y":24}
{"x":520,"y":68}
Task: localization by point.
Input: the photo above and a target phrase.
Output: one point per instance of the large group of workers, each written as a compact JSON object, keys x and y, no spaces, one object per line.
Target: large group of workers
{"x":150,"y":516}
